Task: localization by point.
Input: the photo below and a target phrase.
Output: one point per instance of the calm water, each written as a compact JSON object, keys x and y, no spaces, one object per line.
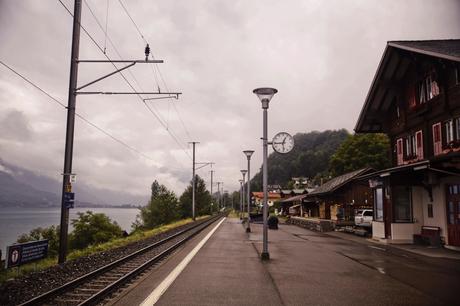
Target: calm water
{"x":16,"y":221}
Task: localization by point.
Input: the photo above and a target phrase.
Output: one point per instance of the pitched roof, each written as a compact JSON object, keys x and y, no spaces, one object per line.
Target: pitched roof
{"x":393,"y":66}
{"x":294,"y":198}
{"x":271,"y":195}
{"x":338,"y":182}
{"x":448,"y":48}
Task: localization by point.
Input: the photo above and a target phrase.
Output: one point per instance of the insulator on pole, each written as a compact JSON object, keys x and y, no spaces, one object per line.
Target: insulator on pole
{"x":147,"y":52}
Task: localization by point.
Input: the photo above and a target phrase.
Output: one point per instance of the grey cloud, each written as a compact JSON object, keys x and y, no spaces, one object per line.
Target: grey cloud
{"x":14,"y":126}
{"x":320,"y":55}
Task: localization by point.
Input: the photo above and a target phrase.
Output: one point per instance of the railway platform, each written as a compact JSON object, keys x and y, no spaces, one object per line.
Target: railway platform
{"x":305,"y":268}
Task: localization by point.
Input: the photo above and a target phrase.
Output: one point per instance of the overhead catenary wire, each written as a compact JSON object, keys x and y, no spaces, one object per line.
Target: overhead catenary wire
{"x":149,"y":107}
{"x":157,"y":68}
{"x":76,"y":114}
{"x":157,"y":116}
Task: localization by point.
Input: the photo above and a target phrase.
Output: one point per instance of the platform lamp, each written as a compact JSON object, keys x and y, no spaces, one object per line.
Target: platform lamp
{"x":241,"y":198}
{"x":243,"y":172}
{"x":248,"y":154}
{"x":265,"y":94}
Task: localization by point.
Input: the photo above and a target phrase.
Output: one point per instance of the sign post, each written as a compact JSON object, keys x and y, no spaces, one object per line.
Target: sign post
{"x":20,"y":254}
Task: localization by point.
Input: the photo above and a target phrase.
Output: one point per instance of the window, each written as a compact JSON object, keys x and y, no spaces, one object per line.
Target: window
{"x":378,"y":203}
{"x":457,"y":128}
{"x":410,"y":146}
{"x":413,"y":147}
{"x":427,"y":89}
{"x":449,"y":131}
{"x":399,"y":151}
{"x":402,"y":204}
{"x":430,"y":210}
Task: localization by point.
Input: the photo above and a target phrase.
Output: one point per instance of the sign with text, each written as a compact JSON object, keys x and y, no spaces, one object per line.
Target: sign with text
{"x":19,"y":254}
{"x":69,"y":199}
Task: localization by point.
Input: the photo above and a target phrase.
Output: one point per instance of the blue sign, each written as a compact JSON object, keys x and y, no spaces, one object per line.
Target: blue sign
{"x":19,"y":254}
{"x":69,"y":199}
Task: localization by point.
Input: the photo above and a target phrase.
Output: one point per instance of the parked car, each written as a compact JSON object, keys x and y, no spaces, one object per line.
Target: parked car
{"x":364,"y":217}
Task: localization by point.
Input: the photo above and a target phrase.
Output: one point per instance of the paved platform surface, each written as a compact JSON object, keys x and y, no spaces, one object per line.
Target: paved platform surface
{"x":306,"y":268}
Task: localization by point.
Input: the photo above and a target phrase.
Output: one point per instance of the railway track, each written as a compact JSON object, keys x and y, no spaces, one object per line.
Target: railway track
{"x":92,"y":288}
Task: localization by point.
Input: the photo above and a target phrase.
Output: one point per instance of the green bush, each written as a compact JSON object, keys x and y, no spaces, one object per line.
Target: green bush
{"x":93,"y":228}
{"x":51,"y":233}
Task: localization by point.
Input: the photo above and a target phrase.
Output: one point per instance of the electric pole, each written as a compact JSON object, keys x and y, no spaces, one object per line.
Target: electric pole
{"x":66,"y":186}
{"x":193,"y":181}
{"x":212,"y":171}
{"x":218,"y":195}
{"x":68,"y":196}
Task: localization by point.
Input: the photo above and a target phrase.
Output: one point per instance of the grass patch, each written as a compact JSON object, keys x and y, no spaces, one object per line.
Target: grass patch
{"x":73,"y":254}
{"x":234,"y":214}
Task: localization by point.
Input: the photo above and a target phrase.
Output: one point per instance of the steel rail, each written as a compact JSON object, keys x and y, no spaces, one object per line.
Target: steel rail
{"x":82,"y":279}
{"x":104,"y":292}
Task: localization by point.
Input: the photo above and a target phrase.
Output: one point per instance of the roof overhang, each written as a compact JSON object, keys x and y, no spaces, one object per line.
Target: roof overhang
{"x":392,"y":67}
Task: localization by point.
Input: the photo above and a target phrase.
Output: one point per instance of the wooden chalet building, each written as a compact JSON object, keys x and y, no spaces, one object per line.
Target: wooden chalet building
{"x":415,"y":99}
{"x":338,"y":198}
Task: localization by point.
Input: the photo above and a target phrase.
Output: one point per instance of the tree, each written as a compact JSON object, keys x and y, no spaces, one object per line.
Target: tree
{"x":51,"y":233}
{"x":93,"y":228}
{"x":202,"y":199}
{"x":360,"y":151}
{"x":162,"y":208}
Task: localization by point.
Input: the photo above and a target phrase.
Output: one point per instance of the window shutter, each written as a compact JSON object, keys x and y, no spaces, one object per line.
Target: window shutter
{"x":419,"y":144}
{"x":399,"y":151}
{"x":437,"y":139}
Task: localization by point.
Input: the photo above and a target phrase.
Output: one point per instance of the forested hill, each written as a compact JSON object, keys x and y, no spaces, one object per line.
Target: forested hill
{"x":309,"y":158}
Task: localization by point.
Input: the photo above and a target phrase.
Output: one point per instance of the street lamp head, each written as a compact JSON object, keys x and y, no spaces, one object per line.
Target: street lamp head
{"x":243,"y":172}
{"x":248,"y":153}
{"x":265,"y":94}
{"x":241,"y":181}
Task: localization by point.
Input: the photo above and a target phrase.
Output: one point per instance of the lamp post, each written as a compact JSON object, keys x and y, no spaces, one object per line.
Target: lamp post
{"x":241,"y":197}
{"x":265,"y":95}
{"x":248,"y":154}
{"x":243,"y":172}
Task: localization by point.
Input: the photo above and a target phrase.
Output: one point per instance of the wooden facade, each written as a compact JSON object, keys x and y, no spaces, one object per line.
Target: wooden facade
{"x":339,"y":198}
{"x":415,"y":100}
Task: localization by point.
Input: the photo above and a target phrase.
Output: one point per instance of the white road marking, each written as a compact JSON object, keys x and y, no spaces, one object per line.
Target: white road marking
{"x":374,"y":247}
{"x":381,"y":270}
{"x":164,"y":285}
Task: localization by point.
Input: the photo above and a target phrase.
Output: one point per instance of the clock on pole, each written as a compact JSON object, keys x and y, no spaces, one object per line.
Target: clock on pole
{"x":283,"y":143}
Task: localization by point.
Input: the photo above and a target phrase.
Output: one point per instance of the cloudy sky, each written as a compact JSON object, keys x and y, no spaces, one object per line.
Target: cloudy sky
{"x":320,"y":55}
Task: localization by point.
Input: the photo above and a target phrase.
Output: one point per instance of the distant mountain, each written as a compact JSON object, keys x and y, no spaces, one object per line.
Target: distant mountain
{"x":309,"y":158}
{"x":22,"y":187}
{"x":14,"y":194}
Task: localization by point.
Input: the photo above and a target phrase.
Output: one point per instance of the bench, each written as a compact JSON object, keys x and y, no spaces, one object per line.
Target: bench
{"x":430,"y":235}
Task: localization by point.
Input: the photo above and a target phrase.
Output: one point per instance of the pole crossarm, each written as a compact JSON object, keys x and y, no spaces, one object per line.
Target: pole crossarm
{"x":174,"y":95}
{"x":128,"y":93}
{"x":132,"y":63}
{"x":122,"y":61}
{"x":203,"y":165}
{"x":106,"y":76}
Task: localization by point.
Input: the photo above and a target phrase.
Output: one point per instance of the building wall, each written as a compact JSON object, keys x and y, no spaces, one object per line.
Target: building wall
{"x":439,"y":209}
{"x":378,"y":229}
{"x":419,"y":196}
{"x":322,"y":210}
{"x":402,"y":232}
{"x":334,"y":211}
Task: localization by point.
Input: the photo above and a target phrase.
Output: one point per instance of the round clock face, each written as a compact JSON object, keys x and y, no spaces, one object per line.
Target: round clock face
{"x":283,"y":142}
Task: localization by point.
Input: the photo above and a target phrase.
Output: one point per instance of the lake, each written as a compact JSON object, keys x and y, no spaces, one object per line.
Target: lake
{"x":16,"y":221}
